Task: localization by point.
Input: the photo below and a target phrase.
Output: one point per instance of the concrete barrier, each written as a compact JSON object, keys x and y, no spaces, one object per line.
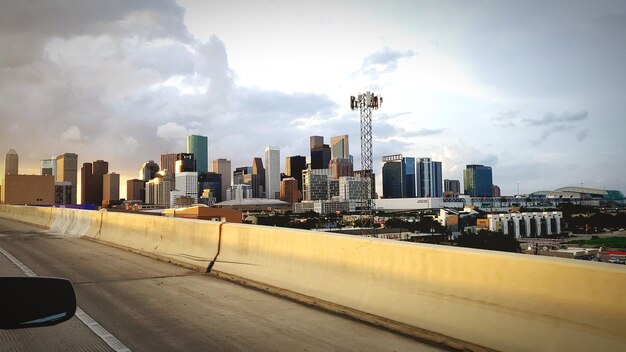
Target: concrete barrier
{"x":468,"y":298}
{"x":192,"y":243}
{"x":39,"y":216}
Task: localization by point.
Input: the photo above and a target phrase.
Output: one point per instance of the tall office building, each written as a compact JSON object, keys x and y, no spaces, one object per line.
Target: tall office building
{"x":185,"y":162}
{"x":135,"y":190}
{"x":272,"y":172}
{"x":429,"y":178}
{"x":289,"y":190}
{"x":199,"y":147}
{"x":11,"y":161}
{"x":110,"y":186}
{"x":259,"y":171}
{"x":293,"y":168}
{"x":315,"y":184}
{"x":360,"y":174}
{"x":437,"y":179}
{"x":320,"y":153}
{"x":339,"y":147}
{"x":316,"y":141}
{"x":410,"y":178}
{"x":168,"y":162}
{"x":48,"y":167}
{"x":149,"y":170}
{"x":340,"y":167}
{"x":91,"y":175}
{"x":478,"y":181}
{"x":239,"y":173}
{"x":158,"y":189}
{"x":186,"y":186}
{"x":211,"y":181}
{"x":399,"y":176}
{"x":452,"y":186}
{"x":67,"y":171}
{"x":222,"y":167}
{"x":495,"y":191}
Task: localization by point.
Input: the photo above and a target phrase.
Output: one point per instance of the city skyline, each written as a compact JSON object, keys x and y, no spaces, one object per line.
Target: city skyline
{"x":536,"y":103}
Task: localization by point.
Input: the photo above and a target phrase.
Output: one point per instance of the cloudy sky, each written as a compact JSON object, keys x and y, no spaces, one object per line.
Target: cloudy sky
{"x":535,"y":89}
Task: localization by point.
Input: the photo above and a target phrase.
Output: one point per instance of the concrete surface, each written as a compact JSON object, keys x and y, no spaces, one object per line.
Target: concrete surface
{"x":150,"y":305}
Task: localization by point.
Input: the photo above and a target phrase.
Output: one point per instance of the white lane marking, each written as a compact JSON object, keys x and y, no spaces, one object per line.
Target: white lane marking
{"x":93,"y":325}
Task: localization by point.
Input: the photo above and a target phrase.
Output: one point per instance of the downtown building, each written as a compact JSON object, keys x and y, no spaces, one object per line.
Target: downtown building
{"x":67,"y":171}
{"x":478,"y":181}
{"x":158,"y":189}
{"x":294,"y":165}
{"x":272,"y":172}
{"x":186,"y":189}
{"x":223,"y":168}
{"x":199,"y":147}
{"x":429,"y":178}
{"x":91,"y":186}
{"x":320,"y":153}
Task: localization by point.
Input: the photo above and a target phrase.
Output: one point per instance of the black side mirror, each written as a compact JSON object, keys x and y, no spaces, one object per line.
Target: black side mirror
{"x":27,"y":302}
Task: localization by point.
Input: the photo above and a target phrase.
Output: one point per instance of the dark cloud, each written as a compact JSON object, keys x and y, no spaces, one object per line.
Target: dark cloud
{"x":551,"y":118}
{"x":126,"y":82}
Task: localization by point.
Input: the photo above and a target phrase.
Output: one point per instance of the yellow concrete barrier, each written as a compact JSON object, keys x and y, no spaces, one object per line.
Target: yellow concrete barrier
{"x":74,"y":222}
{"x":39,"y":216}
{"x":192,"y":243}
{"x":466,"y":298}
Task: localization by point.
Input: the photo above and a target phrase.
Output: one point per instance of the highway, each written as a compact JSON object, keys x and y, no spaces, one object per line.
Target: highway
{"x":149,"y":305}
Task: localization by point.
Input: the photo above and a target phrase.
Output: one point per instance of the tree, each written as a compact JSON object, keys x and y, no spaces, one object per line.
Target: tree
{"x":484,"y":239}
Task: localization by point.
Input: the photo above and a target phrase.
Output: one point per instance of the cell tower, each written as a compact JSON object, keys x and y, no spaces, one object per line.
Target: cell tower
{"x":365,"y":103}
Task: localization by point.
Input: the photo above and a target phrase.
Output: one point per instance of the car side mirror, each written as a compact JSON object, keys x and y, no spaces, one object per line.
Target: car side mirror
{"x":27,"y":302}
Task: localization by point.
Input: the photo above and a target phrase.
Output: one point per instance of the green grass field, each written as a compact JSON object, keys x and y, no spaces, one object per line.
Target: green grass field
{"x":611,"y":242}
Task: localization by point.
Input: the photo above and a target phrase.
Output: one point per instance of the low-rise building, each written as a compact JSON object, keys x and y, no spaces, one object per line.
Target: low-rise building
{"x":526,"y":224}
{"x":28,"y":190}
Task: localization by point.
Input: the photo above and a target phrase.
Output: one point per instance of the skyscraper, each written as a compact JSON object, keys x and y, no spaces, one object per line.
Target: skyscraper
{"x":67,"y":171}
{"x":199,"y":147}
{"x":211,"y":181}
{"x":429,"y":178}
{"x":410,"y":181}
{"x":289,"y":190}
{"x":91,"y":188}
{"x":185,"y":162}
{"x":272,"y":172}
{"x":48,"y":167}
{"x":478,"y":181}
{"x":393,"y":176}
{"x":437,"y":179}
{"x":294,"y":166}
{"x":11,"y":161}
{"x":452,"y":186}
{"x":340,"y":167}
{"x":259,"y":171}
{"x":110,"y":186}
{"x":149,"y":170}
{"x":135,"y":190}
{"x":168,"y":162}
{"x":339,"y":147}
{"x":222,"y":167}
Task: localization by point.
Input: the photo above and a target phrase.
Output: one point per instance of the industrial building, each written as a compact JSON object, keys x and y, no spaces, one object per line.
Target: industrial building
{"x":526,"y":224}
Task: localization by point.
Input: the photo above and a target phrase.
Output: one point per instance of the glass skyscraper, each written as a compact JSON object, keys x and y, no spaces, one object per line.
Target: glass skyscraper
{"x":478,"y":181}
{"x":199,"y":147}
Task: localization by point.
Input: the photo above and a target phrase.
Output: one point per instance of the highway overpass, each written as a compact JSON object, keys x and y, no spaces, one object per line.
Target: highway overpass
{"x":461,"y":298}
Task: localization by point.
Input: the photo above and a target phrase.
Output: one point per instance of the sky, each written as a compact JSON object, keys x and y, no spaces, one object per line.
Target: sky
{"x":534,"y":89}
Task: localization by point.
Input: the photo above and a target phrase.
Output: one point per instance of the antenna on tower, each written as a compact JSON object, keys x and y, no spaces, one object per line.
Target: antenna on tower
{"x":365,"y":103}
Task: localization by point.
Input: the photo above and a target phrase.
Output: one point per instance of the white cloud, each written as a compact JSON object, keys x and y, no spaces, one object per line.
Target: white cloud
{"x":72,"y":134}
{"x":172,"y":130}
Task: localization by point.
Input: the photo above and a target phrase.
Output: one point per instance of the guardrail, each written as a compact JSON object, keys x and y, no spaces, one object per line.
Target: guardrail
{"x":464,"y":298}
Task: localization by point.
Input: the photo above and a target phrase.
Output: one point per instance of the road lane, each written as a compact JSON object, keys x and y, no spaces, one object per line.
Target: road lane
{"x":150,"y":305}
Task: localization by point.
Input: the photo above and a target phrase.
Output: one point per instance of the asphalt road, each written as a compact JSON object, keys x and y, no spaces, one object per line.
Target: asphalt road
{"x":148,"y":305}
